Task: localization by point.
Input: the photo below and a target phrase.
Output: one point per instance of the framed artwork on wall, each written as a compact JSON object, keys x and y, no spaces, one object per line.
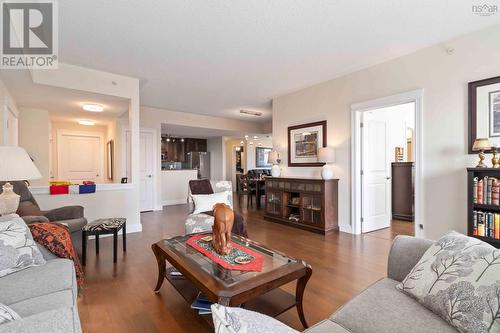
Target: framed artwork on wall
{"x":304,"y":142}
{"x":110,"y":152}
{"x":484,"y":111}
{"x":261,"y":157}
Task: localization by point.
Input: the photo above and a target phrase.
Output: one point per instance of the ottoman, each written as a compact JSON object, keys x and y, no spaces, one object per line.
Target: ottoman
{"x":107,"y":226}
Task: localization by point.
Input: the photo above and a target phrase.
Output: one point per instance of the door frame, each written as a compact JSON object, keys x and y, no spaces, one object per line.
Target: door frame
{"x":156,"y":164}
{"x":61,"y":132}
{"x":357,"y":109}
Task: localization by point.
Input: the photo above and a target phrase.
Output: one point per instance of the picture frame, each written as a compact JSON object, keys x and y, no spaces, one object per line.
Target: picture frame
{"x":484,"y":111}
{"x":110,"y":152}
{"x":304,"y":142}
{"x":261,"y":157}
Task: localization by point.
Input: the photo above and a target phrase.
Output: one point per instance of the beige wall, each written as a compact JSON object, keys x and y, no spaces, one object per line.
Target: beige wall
{"x":34,"y":136}
{"x":443,"y":78}
{"x":5,"y":98}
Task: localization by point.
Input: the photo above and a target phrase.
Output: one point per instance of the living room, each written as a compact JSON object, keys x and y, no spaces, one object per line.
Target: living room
{"x":119,"y":229}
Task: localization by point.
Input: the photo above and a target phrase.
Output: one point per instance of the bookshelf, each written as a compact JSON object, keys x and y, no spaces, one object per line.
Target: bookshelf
{"x":471,"y":206}
{"x":309,"y":204}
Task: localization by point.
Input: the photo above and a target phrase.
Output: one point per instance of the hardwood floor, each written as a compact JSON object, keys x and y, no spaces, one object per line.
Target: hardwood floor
{"x":120,"y":298}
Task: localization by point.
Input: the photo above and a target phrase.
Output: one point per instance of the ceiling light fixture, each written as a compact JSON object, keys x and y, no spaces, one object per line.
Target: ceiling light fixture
{"x":260,"y":143}
{"x":251,"y":143}
{"x":93,"y":107}
{"x":255,"y":137}
{"x":242,"y":142}
{"x":182,"y":140}
{"x":86,"y":122}
{"x":251,"y":113}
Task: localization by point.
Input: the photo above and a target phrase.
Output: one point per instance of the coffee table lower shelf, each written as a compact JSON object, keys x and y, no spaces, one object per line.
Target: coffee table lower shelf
{"x":272,"y":303}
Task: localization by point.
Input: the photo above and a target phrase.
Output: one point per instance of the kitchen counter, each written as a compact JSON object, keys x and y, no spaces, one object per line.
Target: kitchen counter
{"x":175,"y":185}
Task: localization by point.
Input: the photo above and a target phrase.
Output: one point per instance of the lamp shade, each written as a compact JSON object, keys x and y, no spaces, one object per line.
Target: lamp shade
{"x":481,"y":144}
{"x":273,"y":157}
{"x":326,"y":155}
{"x":15,"y":164}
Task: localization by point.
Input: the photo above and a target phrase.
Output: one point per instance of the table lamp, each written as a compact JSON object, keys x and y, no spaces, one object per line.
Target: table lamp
{"x":326,"y":155}
{"x":15,"y":164}
{"x":481,"y":144}
{"x":274,"y":159}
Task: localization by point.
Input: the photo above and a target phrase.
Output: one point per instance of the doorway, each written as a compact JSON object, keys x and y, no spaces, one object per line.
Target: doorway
{"x":386,"y":165}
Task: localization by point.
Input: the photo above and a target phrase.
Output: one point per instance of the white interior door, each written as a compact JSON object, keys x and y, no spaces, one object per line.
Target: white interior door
{"x":146,"y":167}
{"x":376,"y":173}
{"x":79,"y":157}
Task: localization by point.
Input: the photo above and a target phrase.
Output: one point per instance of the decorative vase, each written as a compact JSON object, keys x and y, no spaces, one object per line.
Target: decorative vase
{"x":327,"y":172}
{"x":275,"y":170}
{"x":9,"y":200}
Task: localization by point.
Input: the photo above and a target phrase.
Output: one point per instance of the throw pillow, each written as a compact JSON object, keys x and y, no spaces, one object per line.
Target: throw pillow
{"x":458,"y":278}
{"x":7,"y":314}
{"x":206,"y":202}
{"x":237,"y":320}
{"x":17,"y":248}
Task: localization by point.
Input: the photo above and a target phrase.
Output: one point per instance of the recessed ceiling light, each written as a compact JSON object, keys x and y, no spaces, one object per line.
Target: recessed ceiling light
{"x":242,"y":142}
{"x":251,"y":143}
{"x":86,"y":122}
{"x":260,"y":144}
{"x":255,"y":137}
{"x":93,"y":107}
{"x":246,"y":136}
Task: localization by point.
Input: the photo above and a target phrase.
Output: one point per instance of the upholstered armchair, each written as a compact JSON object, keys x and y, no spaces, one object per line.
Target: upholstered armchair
{"x":72,"y":216}
{"x":203,"y":222}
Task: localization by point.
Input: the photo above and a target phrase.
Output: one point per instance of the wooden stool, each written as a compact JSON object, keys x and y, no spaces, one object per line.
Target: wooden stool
{"x":104,"y":227}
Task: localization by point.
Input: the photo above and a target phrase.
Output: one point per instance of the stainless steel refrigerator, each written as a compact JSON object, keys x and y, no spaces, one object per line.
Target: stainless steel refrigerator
{"x":200,"y":161}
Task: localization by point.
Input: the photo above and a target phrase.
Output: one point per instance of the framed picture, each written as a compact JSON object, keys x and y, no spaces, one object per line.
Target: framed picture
{"x":261,"y":157}
{"x":304,"y":142}
{"x":484,"y":111}
{"x":110,"y":151}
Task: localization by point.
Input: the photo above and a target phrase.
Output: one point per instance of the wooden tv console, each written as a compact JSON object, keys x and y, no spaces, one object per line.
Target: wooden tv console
{"x":306,"y":203}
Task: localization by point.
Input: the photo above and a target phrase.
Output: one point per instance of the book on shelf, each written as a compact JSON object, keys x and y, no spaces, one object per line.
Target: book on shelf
{"x":486,"y":191}
{"x":486,"y":224}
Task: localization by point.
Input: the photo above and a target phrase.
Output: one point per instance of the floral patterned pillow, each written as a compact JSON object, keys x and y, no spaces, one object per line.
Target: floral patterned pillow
{"x":458,"y":278}
{"x":7,"y":314}
{"x":18,"y":250}
{"x":236,"y":320}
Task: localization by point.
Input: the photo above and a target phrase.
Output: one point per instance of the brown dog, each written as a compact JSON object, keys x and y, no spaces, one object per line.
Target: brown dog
{"x":221,"y":230}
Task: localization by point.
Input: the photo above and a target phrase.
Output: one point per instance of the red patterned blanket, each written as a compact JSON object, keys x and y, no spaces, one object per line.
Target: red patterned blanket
{"x":57,"y":239}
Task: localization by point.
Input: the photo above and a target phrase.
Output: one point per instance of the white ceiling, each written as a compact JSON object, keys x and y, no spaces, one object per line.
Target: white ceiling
{"x":63,"y":104}
{"x":216,"y":57}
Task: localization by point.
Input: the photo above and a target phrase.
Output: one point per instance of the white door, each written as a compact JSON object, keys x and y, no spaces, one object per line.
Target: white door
{"x":79,"y":157}
{"x":146,"y":167}
{"x":376,"y":180}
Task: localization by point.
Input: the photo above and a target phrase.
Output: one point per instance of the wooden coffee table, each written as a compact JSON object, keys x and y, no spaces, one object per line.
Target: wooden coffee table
{"x":257,"y":291}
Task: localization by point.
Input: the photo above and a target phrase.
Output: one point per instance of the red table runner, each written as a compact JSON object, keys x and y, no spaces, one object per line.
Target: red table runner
{"x":227,"y":261}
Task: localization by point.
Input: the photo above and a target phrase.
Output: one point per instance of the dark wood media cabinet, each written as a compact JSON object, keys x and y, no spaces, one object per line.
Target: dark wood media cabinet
{"x":309,"y":204}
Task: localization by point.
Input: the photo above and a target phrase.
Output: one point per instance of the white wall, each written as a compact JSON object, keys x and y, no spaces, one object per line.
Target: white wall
{"x":267,"y":142}
{"x":399,"y":118}
{"x":6,"y":99}
{"x":34,"y":136}
{"x":443,"y":78}
{"x":215,"y":146}
{"x":175,"y":186}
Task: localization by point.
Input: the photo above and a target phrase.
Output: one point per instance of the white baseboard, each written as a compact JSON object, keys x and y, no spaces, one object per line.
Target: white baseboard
{"x":345,"y":228}
{"x":173,"y":202}
{"x":130,"y":229}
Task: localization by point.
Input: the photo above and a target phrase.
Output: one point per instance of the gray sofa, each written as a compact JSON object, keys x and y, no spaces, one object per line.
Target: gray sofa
{"x":383,"y":308}
{"x":44,"y":296}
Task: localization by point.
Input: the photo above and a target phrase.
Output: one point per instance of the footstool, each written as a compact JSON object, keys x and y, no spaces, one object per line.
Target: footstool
{"x":108,"y":226}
